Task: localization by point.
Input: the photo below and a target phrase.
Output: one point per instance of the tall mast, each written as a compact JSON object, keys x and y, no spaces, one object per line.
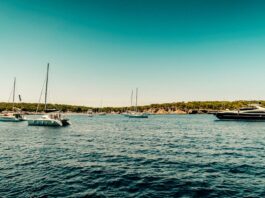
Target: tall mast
{"x":132,"y":98}
{"x":46,"y":88}
{"x":136,"y":98}
{"x":14,"y":93}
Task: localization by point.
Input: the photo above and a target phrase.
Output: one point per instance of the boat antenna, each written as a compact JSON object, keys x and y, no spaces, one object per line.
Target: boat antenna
{"x":46,"y":87}
{"x":14,"y":93}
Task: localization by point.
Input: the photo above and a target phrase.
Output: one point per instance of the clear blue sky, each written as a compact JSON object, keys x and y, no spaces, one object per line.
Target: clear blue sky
{"x":172,"y":50}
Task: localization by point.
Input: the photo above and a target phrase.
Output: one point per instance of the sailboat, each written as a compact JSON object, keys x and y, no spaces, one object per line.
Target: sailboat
{"x":53,"y":117}
{"x":12,"y":116}
{"x":137,"y":114}
{"x":101,"y":113}
{"x":127,"y":113}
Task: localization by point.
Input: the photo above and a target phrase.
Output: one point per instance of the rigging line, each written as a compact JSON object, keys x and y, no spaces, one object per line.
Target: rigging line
{"x":40,"y":96}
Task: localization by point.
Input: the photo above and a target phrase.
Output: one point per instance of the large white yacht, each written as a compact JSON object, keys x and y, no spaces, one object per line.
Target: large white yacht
{"x":251,"y":112}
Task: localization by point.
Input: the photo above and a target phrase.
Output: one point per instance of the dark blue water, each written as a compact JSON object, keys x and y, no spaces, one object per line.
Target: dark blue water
{"x":113,"y":156}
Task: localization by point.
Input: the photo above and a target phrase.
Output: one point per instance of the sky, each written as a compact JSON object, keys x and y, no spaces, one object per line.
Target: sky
{"x":99,"y":50}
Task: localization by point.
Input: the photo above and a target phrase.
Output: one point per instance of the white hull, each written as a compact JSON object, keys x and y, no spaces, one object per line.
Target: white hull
{"x":53,"y":120}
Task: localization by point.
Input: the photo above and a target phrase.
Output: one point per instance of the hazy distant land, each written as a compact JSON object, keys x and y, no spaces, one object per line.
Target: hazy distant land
{"x":165,"y":108}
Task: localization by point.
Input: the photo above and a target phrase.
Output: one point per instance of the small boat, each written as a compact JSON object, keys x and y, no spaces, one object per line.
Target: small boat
{"x":89,"y":113}
{"x":251,"y":112}
{"x":53,"y":117}
{"x":12,"y":116}
{"x":136,"y":114}
{"x":126,"y":114}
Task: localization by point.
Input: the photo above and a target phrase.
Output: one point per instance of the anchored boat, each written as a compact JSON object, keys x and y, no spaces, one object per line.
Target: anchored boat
{"x":251,"y":112}
{"x":53,"y":117}
{"x":90,"y":113}
{"x":13,"y":116}
{"x":136,"y":114}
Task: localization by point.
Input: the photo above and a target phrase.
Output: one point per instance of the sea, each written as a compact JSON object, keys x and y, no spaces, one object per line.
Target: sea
{"x":116,"y":156}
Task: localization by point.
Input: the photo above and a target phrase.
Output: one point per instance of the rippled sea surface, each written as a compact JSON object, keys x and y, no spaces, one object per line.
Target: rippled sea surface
{"x":114,"y":156}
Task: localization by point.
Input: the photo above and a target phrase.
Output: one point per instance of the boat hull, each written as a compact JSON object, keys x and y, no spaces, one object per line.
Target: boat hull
{"x":65,"y":122}
{"x":137,"y":116}
{"x":52,"y":123}
{"x":240,"y":116}
{"x":11,"y":119}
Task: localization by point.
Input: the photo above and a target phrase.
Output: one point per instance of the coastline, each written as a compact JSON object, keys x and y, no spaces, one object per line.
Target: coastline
{"x":193,"y":107}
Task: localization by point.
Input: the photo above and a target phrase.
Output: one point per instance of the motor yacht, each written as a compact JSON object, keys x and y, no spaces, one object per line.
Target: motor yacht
{"x":251,"y":112}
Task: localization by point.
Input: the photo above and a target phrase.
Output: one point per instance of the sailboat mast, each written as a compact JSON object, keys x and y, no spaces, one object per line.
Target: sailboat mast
{"x":14,"y":93}
{"x":46,"y":88}
{"x":136,"y":98}
{"x":132,"y":98}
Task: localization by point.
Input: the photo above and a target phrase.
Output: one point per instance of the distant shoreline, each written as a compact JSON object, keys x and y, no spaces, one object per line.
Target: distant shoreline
{"x":193,"y":107}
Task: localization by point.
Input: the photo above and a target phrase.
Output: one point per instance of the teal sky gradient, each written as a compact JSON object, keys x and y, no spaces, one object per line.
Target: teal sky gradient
{"x":180,"y":50}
